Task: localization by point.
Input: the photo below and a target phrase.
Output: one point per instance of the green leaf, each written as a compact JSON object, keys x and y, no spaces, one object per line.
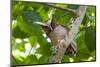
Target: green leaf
{"x":31,"y":16}
{"x":33,"y":40}
{"x":43,"y":60}
{"x":90,"y":38}
{"x":17,"y":33}
{"x":91,"y":11}
{"x":65,"y":59}
{"x":29,"y":28}
{"x":33,"y":60}
{"x":82,"y":50}
{"x":63,"y":17}
{"x":21,"y":46}
{"x":45,"y":49}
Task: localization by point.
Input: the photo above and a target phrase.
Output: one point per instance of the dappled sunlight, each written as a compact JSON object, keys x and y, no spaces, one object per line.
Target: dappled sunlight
{"x":93,"y":14}
{"x":26,"y":39}
{"x":28,"y":46}
{"x":38,"y":56}
{"x":44,"y":35}
{"x":71,"y":59}
{"x":90,"y":58}
{"x":18,"y":40}
{"x":48,"y":39}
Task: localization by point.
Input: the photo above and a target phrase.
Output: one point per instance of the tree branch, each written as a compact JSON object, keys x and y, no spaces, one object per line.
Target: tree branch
{"x":72,"y":33}
{"x":64,"y":9}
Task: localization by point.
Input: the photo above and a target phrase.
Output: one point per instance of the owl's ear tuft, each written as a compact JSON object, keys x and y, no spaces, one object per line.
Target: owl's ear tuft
{"x":53,"y":23}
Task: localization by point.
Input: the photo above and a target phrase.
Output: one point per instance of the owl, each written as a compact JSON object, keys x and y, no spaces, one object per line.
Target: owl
{"x":57,"y":34}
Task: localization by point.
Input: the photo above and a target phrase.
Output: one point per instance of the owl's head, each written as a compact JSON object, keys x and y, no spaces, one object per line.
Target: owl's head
{"x":48,"y":26}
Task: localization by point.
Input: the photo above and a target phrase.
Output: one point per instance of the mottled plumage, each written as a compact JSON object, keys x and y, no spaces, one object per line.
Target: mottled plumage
{"x":57,"y":34}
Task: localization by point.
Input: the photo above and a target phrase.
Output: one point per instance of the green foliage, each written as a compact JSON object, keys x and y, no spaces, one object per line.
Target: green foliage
{"x":90,"y":38}
{"x":29,"y":46}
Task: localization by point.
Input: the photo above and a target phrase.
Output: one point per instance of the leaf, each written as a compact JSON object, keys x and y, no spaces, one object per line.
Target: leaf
{"x":33,"y":40}
{"x":63,"y":17}
{"x":30,"y":16}
{"x":43,"y":60}
{"x":91,"y":11}
{"x":21,"y":46}
{"x":44,"y":49}
{"x":29,"y":28}
{"x":17,"y":33}
{"x":82,"y":50}
{"x":31,"y":59}
{"x":90,"y":38}
{"x":65,"y":59}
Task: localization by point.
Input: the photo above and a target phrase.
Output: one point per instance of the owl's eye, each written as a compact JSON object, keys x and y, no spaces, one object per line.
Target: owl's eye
{"x":45,"y":26}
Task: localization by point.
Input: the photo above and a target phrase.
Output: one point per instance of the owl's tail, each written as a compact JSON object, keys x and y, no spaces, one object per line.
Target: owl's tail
{"x":72,"y":49}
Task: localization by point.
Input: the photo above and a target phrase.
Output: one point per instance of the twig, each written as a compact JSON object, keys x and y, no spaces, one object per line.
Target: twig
{"x":74,"y":30}
{"x":64,"y":9}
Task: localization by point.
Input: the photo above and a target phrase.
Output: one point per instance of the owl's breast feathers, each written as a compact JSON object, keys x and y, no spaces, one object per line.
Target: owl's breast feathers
{"x":58,"y":34}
